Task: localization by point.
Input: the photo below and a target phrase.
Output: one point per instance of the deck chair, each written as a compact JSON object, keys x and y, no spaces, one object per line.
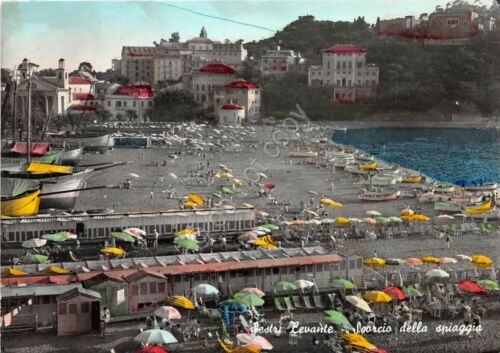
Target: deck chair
{"x":318,"y":303}
{"x":307,"y":302}
{"x":288,"y":303}
{"x":277,"y":304}
{"x":296,"y":302}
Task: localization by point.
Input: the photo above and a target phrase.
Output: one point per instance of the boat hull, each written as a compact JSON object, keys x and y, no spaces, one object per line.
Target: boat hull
{"x":379,"y":197}
{"x":63,"y":201}
{"x":487,"y":187}
{"x":89,"y":144}
{"x":23,"y":205}
{"x":71,"y":157}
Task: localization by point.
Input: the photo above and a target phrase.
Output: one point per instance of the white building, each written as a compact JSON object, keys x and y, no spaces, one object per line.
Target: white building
{"x":168,"y":67}
{"x":137,"y":98}
{"x":231,"y":114}
{"x":243,"y":93}
{"x":345,"y":69}
{"x":280,"y":61}
{"x":82,"y":94}
{"x":208,"y":80}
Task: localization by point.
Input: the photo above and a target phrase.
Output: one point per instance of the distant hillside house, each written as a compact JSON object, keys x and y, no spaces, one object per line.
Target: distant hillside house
{"x":82,"y":94}
{"x":138,"y":98}
{"x":345,"y":69}
{"x":231,"y":114}
{"x":244,"y":93}
{"x":208,"y":79}
{"x":281,"y":61}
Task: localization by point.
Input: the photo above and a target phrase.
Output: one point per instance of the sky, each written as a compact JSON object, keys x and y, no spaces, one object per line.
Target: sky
{"x":95,"y":31}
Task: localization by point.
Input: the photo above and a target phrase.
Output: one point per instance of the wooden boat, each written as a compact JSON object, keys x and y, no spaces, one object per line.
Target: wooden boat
{"x":25,"y":204}
{"x":479,"y":209}
{"x":365,"y":158}
{"x":444,"y":188}
{"x":483,"y":187}
{"x":342,"y":162}
{"x":355,"y":169}
{"x":411,"y":180}
{"x":367,"y":195}
{"x":380,"y":180}
{"x":71,"y":157}
{"x":99,"y":143}
{"x":35,"y":170}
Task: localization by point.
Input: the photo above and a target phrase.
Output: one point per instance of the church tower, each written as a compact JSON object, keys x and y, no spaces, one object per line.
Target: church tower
{"x":203,"y":33}
{"x":62,"y":75}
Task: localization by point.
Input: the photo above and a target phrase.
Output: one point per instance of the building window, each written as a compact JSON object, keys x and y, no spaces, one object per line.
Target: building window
{"x":150,"y":103}
{"x":124,"y":103}
{"x":161,"y":287}
{"x":109,"y":103}
{"x":72,"y":309}
{"x":452,"y":21}
{"x":144,"y":288}
{"x":118,"y":103}
{"x":134,"y":103}
{"x":152,"y":288}
{"x":62,"y":308}
{"x":85,"y":308}
{"x":135,"y":289}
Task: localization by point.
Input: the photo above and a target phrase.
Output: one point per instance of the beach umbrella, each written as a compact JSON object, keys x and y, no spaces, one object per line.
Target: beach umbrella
{"x":269,"y":186}
{"x":430,"y":259}
{"x":447,"y":260}
{"x":374,"y":261}
{"x":266,"y":242}
{"x":215,"y":194}
{"x":197,"y":199}
{"x":298,"y":222}
{"x":205,"y":290}
{"x":445,"y":217}
{"x":190,"y":204}
{"x":330,"y":203}
{"x":414,"y":261}
{"x":411,"y":291}
{"x":56,"y":270}
{"x":262,"y":231}
{"x":464,"y":258}
{"x":224,"y":175}
{"x":181,"y":302}
{"x":223,"y":166}
{"x":356,"y":341}
{"x":135,"y":232}
{"x":261,"y":214}
{"x":262,"y":175}
{"x":338,"y":319}
{"x":247,"y":348}
{"x":187,"y":243}
{"x":481,"y":261}
{"x":172,"y":175}
{"x":395,"y":219}
{"x":57,"y":237}
{"x":394,"y":262}
{"x":470,"y":287}
{"x":248,"y":236}
{"x":237,"y":182}
{"x":376,"y":297}
{"x":312,"y":192}
{"x":34,"y":243}
{"x":395,"y":292}
{"x":437,"y":273}
{"x":133,"y":175}
{"x":167,"y":312}
{"x":373,"y":213}
{"x":342,"y":221}
{"x":155,"y":336}
{"x":383,"y":220}
{"x":355,"y":220}
{"x":151,"y":349}
{"x":34,"y":258}
{"x":370,"y":221}
{"x":254,"y":340}
{"x":186,"y":232}
{"x":270,"y":226}
{"x":285,"y":286}
{"x":233,"y":306}
{"x":225,"y":190}
{"x":248,"y":299}
{"x":342,"y":283}
{"x":314,"y":221}
{"x":489,"y":284}
{"x":358,"y":303}
{"x":13,"y":271}
{"x":113,"y":251}
{"x":123,"y":236}
{"x":253,"y":290}
{"x":303,"y":284}
{"x":327,"y":221}
{"x":249,"y":205}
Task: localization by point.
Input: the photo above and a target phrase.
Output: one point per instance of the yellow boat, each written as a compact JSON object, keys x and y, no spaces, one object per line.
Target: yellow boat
{"x":371,"y":166}
{"x":412,"y":180}
{"x":485,"y":207}
{"x":44,"y":168}
{"x":25,"y":204}
{"x":13,"y":271}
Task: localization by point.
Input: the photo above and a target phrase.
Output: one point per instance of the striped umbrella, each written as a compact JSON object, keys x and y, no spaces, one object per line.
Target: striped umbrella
{"x":167,"y":312}
{"x":155,"y":336}
{"x":123,"y":236}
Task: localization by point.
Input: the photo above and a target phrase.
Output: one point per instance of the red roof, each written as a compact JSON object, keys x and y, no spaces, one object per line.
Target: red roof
{"x":83,"y":96}
{"x":77,"y":80}
{"x":241,"y":84}
{"x":217,"y":69}
{"x":82,"y":108}
{"x":345,"y":49}
{"x":231,"y":107}
{"x":138,"y":91}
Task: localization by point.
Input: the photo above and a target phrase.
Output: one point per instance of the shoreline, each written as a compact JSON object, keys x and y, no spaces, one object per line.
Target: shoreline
{"x":366,"y":124}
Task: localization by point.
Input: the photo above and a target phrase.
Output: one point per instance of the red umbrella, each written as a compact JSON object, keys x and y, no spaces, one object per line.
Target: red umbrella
{"x":151,"y":349}
{"x":395,"y":292}
{"x":269,"y":186}
{"x":471,"y":287}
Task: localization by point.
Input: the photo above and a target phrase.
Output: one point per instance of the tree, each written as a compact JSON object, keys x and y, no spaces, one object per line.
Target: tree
{"x":85,"y":66}
{"x":119,"y":117}
{"x":59,"y":121}
{"x":174,"y":37}
{"x":47,"y":72}
{"x":131,"y":115}
{"x":104,"y":116}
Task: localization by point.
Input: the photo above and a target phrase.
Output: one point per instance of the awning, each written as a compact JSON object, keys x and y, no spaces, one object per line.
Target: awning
{"x":37,"y":149}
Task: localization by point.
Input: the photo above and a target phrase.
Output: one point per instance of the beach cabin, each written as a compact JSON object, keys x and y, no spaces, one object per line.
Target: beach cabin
{"x":78,"y":312}
{"x":113,"y":291}
{"x":146,"y":290}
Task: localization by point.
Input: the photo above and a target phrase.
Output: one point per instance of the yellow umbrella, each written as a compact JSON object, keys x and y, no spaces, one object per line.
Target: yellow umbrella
{"x":190,"y":204}
{"x":113,"y":251}
{"x":186,"y":232}
{"x":356,"y":340}
{"x":181,"y":302}
{"x":224,"y":175}
{"x":197,"y":199}
{"x":57,"y":270}
{"x":430,"y":259}
{"x":375,"y":297}
{"x":413,"y":217}
{"x":237,"y":182}
{"x":374,"y":261}
{"x":13,"y":271}
{"x":481,"y":261}
{"x":342,"y":221}
{"x":266,"y":242}
{"x":371,"y":166}
{"x":330,"y":203}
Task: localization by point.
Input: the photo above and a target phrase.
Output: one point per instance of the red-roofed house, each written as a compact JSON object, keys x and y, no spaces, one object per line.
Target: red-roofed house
{"x":345,"y":69}
{"x":137,"y":98}
{"x":81,"y":95}
{"x":231,"y":114}
{"x":244,"y":93}
{"x":208,"y":79}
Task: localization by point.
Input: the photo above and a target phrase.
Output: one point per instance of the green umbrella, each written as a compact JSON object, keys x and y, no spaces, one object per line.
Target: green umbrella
{"x":123,"y":236}
{"x":342,"y":283}
{"x":338,"y":319}
{"x":248,"y":299}
{"x":270,"y":226}
{"x":187,"y":243}
{"x":489,"y":284}
{"x":383,"y":220}
{"x":226,"y":190}
{"x":285,"y":285}
{"x":411,"y":291}
{"x":61,"y":236}
{"x":155,"y":336}
{"x":34,"y":258}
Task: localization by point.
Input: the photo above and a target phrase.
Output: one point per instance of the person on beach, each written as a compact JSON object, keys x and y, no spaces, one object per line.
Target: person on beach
{"x":155,"y":243}
{"x":105,"y":316}
{"x":448,"y":241}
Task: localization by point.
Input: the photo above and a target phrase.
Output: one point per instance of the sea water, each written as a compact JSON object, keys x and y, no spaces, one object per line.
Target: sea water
{"x":447,"y":155}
